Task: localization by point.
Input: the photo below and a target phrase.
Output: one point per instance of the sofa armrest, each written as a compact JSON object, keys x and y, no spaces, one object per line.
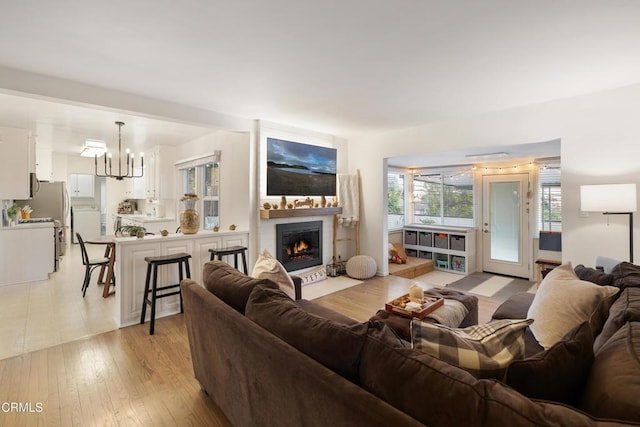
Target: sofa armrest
{"x":297,"y":286}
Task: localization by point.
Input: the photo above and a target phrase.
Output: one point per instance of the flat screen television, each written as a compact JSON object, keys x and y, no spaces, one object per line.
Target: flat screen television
{"x":296,"y":169}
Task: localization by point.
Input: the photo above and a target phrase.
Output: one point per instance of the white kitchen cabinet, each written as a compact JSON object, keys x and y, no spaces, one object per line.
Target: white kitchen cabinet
{"x":27,"y":253}
{"x":16,"y":162}
{"x":158,"y":173}
{"x":44,"y":164}
{"x":81,"y":185}
{"x":135,"y":186}
{"x":131,"y":267}
{"x":150,"y":173}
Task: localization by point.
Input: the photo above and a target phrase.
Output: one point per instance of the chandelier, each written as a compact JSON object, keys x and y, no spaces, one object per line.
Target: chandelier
{"x":129,"y":170}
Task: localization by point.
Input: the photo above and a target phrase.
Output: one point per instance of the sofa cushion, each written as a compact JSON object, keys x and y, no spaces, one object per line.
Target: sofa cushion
{"x":562,"y":302}
{"x":625,"y":309}
{"x":557,"y":374}
{"x":483,"y":350}
{"x":324,"y":312}
{"x":267,"y":267}
{"x":229,"y":284}
{"x":336,"y":346}
{"x":515,"y":307}
{"x":594,"y":276}
{"x":439,"y":394}
{"x":626,"y":275}
{"x":613,"y":386}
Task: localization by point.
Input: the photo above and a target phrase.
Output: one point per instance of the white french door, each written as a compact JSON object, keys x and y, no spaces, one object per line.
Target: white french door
{"x":505,"y":224}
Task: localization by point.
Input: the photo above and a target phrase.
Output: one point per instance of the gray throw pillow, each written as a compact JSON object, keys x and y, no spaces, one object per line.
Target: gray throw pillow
{"x":337,"y":346}
{"x":557,"y":374}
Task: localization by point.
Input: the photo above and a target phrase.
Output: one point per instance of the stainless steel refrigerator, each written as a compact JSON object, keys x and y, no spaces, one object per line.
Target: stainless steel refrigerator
{"x":51,"y":201}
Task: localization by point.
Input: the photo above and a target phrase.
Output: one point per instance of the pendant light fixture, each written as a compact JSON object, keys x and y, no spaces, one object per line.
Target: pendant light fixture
{"x":129,"y":171}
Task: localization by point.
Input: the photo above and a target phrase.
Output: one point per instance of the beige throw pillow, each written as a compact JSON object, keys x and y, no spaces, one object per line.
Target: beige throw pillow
{"x":267,"y":267}
{"x":562,"y":302}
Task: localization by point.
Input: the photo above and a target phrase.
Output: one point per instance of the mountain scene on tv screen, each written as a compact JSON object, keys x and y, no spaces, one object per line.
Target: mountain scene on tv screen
{"x":300,"y":169}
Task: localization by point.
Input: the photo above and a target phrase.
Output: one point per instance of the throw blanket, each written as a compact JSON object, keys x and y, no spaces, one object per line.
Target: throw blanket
{"x":450,"y":314}
{"x":349,"y":198}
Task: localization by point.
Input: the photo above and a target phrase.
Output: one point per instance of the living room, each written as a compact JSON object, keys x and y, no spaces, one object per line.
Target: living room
{"x":592,"y":108}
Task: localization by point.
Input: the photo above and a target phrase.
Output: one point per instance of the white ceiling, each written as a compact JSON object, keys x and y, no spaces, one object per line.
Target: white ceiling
{"x":340,"y":67}
{"x":498,"y":156}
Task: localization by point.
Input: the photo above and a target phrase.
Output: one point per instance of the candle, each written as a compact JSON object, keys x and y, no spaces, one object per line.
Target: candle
{"x":416,"y":292}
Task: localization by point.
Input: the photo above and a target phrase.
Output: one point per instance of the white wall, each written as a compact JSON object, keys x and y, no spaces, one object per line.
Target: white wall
{"x":599,"y":133}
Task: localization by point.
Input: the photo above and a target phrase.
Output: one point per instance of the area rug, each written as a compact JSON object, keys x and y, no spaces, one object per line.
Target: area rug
{"x":328,"y":286}
{"x":491,"y":285}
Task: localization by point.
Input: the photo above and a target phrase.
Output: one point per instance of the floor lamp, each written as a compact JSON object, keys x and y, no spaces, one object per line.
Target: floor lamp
{"x":611,"y":199}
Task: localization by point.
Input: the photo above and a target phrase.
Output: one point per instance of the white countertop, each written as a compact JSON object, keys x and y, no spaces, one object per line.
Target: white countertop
{"x":28,"y":226}
{"x":179,"y":236}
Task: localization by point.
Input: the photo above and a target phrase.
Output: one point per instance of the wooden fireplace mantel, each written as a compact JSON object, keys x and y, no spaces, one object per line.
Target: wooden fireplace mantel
{"x":299,"y":212}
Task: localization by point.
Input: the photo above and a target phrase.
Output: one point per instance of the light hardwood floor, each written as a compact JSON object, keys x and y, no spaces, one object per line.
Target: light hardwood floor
{"x":127,"y":377}
{"x":42,"y":314}
{"x":124,"y":377}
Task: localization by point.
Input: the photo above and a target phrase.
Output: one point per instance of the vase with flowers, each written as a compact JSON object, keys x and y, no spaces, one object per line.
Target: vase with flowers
{"x":189,"y":218}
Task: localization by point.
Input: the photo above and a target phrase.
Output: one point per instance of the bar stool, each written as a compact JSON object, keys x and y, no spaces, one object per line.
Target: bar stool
{"x":152,"y":264}
{"x":231,"y":250}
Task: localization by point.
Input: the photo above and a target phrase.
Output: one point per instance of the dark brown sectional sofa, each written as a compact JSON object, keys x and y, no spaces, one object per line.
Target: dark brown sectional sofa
{"x":268,"y":361}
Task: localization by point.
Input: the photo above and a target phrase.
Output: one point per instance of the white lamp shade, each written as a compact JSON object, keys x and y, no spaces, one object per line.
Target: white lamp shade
{"x":608,"y":198}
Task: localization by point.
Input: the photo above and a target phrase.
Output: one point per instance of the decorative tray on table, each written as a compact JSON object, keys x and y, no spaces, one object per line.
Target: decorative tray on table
{"x":399,"y":306}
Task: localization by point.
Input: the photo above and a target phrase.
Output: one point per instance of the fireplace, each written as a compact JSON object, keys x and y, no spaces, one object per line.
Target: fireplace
{"x":299,"y":245}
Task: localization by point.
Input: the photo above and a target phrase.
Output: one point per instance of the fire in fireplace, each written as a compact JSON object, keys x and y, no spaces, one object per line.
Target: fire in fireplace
{"x":299,"y":245}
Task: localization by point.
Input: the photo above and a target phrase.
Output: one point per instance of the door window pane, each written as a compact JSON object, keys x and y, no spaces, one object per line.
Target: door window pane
{"x":505,"y":221}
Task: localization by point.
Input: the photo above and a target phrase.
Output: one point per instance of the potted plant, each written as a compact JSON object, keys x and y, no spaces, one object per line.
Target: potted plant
{"x":133,"y":230}
{"x":12,"y":211}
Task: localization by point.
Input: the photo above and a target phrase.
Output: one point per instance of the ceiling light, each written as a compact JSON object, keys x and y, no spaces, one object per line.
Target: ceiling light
{"x":93,"y":148}
{"x":129,"y":172}
{"x":487,"y":155}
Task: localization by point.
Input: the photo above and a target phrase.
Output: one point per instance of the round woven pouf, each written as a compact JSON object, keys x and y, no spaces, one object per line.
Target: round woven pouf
{"x":361,"y":267}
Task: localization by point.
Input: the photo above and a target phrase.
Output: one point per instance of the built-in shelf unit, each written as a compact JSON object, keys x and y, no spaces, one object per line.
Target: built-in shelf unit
{"x":452,"y":249}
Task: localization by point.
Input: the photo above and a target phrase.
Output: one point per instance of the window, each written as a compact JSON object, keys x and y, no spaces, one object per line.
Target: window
{"x":549,"y":200}
{"x":395,"y":201}
{"x":202,"y":177}
{"x":443,"y":200}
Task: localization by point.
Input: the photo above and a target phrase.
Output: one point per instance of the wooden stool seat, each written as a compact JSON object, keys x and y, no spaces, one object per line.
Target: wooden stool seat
{"x":182,"y":259}
{"x":231,"y":250}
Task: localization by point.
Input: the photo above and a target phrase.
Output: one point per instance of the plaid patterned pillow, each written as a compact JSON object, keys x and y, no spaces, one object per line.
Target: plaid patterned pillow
{"x":483,"y":350}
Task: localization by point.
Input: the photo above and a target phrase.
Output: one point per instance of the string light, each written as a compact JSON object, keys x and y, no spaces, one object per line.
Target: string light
{"x":469,"y":170}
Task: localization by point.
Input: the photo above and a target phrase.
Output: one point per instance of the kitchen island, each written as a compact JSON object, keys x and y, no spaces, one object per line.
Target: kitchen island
{"x":27,"y":253}
{"x":131,"y":268}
